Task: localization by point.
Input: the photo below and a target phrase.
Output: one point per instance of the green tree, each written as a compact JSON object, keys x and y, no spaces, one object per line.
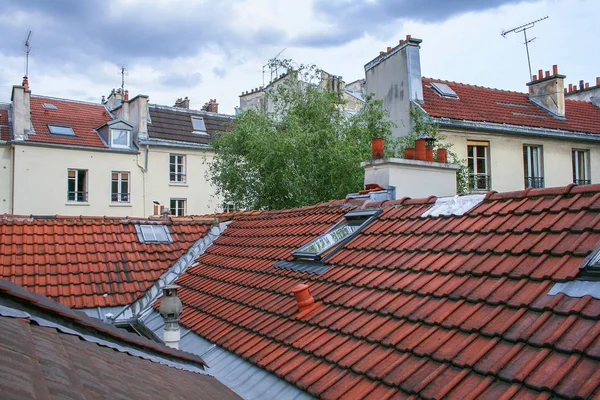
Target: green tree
{"x":306,"y":151}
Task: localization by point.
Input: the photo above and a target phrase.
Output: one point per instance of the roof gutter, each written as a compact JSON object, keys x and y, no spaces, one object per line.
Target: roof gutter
{"x":516,"y":130}
{"x":174,"y":143}
{"x":72,"y":147}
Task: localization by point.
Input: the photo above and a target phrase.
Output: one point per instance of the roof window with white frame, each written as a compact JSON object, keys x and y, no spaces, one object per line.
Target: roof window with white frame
{"x":312,"y":256}
{"x":199,"y":125}
{"x":61,"y":130}
{"x":153,"y":234}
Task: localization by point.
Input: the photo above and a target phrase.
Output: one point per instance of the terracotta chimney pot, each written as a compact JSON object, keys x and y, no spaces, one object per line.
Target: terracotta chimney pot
{"x":540,"y":74}
{"x":555,"y":70}
{"x":377,"y":148}
{"x":303,"y":296}
{"x":420,"y":149}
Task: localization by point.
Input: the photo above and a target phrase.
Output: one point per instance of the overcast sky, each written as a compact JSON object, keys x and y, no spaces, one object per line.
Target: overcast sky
{"x":216,"y":49}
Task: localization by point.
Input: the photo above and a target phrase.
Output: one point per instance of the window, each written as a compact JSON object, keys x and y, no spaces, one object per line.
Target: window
{"x":199,"y":126}
{"x":77,"y":185}
{"x":119,"y":187}
{"x":581,"y":167}
{"x":532,"y":162}
{"x":61,"y":130}
{"x":177,"y":168}
{"x":153,"y":234}
{"x":119,"y":138}
{"x":478,"y":163}
{"x":178,"y":207}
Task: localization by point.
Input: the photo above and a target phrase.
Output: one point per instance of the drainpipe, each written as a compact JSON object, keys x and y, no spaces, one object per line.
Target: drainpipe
{"x":12,"y":179}
{"x":144,"y":170}
{"x":170,"y":309}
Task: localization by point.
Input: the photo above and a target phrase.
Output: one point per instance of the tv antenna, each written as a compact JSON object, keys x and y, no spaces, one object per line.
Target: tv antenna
{"x":272,"y":69}
{"x":123,"y":71}
{"x":27,"y":50}
{"x":523,"y":28}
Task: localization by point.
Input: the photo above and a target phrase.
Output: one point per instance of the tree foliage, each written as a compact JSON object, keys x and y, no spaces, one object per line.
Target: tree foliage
{"x":305,"y":151}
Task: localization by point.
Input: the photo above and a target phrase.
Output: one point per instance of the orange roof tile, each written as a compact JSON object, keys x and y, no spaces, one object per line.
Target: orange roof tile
{"x":476,"y":103}
{"x":4,"y":125}
{"x":82,"y":117}
{"x":85,"y":262}
{"x":435,"y":306}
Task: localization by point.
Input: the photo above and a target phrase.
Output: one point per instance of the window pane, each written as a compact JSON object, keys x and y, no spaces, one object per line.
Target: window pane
{"x":328,"y":240}
{"x":148,"y":233}
{"x":120,"y":138}
{"x":198,"y":124}
{"x":61,"y":130}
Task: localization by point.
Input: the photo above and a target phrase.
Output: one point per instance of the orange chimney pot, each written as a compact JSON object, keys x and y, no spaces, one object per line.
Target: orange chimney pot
{"x":303,"y":297}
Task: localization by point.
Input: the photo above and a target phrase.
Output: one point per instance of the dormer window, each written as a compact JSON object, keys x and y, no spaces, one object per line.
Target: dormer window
{"x":199,"y":126}
{"x":61,"y":130}
{"x":310,"y":257}
{"x":120,"y":138}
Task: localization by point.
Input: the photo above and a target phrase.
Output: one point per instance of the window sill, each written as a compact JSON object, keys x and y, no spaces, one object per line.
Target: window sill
{"x":119,"y":204}
{"x":183,"y":184}
{"x":77,"y":203}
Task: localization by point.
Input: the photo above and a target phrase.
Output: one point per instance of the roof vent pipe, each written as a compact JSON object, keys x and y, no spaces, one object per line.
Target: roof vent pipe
{"x":170,"y":309}
{"x":303,"y":297}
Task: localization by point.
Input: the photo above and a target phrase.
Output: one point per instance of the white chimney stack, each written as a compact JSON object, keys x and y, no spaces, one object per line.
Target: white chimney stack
{"x":170,"y":309}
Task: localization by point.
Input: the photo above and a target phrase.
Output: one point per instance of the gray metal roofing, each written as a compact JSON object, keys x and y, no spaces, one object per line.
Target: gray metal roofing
{"x":239,"y":375}
{"x":173,"y":123}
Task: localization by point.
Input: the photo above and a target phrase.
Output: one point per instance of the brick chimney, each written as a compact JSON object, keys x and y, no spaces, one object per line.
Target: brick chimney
{"x":213,"y":106}
{"x":170,"y":309}
{"x":585,"y":92}
{"x":21,"y":113}
{"x":548,"y":91}
{"x":183,"y":103}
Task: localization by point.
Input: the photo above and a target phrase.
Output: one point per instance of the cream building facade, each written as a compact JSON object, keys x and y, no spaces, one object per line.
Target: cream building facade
{"x":509,"y":140}
{"x":67,"y":157}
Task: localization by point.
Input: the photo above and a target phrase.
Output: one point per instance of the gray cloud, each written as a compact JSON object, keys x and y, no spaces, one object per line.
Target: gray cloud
{"x":352,"y":19}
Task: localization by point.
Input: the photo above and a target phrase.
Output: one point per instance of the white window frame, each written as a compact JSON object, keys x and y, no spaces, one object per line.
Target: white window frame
{"x":118,"y":145}
{"x":533,"y":164}
{"x":199,"y":131}
{"x":179,"y":208}
{"x":77,"y":196}
{"x":586,"y":179}
{"x":474,"y":172}
{"x":177,"y":168}
{"x":153,"y":234}
{"x":119,"y":195}
{"x":69,"y":130}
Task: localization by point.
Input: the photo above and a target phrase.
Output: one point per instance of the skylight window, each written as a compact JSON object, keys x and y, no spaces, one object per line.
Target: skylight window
{"x":153,"y":234}
{"x":198,"y":124}
{"x":591,"y":267}
{"x":310,"y":257}
{"x":444,"y":90}
{"x":61,"y":130}
{"x":49,"y":106}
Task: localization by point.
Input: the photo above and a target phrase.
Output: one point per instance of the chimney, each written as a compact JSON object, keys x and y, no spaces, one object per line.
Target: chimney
{"x":377,"y":150}
{"x":303,"y":297}
{"x":394,"y":77}
{"x":183,"y":103}
{"x":549,"y":92}
{"x":585,"y":92}
{"x":21,"y":114}
{"x":213,"y":106}
{"x":170,"y":309}
{"x":115,"y":99}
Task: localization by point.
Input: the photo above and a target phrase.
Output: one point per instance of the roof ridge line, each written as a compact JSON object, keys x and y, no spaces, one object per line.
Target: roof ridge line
{"x":475,"y":86}
{"x":38,"y":96}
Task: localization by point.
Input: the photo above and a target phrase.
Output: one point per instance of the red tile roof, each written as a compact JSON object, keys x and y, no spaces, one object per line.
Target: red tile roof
{"x":476,"y":103}
{"x":41,"y":361}
{"x":87,"y":262}
{"x":82,"y":117}
{"x":4,"y":126}
{"x":435,"y":306}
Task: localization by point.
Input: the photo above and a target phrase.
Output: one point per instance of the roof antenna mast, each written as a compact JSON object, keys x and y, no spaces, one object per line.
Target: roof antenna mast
{"x":272,"y":69}
{"x":123,"y":72}
{"x":27,"y":50}
{"x":523,"y":28}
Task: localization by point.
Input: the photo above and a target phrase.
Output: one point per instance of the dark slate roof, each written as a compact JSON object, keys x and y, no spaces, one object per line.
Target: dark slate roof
{"x":48,"y":351}
{"x":172,"y":123}
{"x":412,"y":307}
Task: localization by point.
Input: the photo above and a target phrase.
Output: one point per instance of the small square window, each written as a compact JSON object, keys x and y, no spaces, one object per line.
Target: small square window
{"x":178,"y":207}
{"x":61,"y":130}
{"x":119,"y":138}
{"x":198,"y":124}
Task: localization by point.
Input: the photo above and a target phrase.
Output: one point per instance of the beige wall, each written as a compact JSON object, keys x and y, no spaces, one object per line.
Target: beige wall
{"x":41,"y":181}
{"x":506,"y":158}
{"x":197,"y":191}
{"x":5,"y":179}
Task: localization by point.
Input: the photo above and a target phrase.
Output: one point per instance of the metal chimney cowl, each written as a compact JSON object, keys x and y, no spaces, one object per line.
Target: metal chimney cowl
{"x":170,"y":309}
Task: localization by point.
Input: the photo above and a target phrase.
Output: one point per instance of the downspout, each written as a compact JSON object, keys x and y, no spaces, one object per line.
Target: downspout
{"x":144,"y":170}
{"x":12,"y":179}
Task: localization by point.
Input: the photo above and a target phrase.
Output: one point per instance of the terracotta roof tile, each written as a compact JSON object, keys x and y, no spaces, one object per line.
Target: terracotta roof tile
{"x":86,"y":262}
{"x":5,"y":128}
{"x":432,"y":307}
{"x":476,"y":103}
{"x":82,"y":117}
